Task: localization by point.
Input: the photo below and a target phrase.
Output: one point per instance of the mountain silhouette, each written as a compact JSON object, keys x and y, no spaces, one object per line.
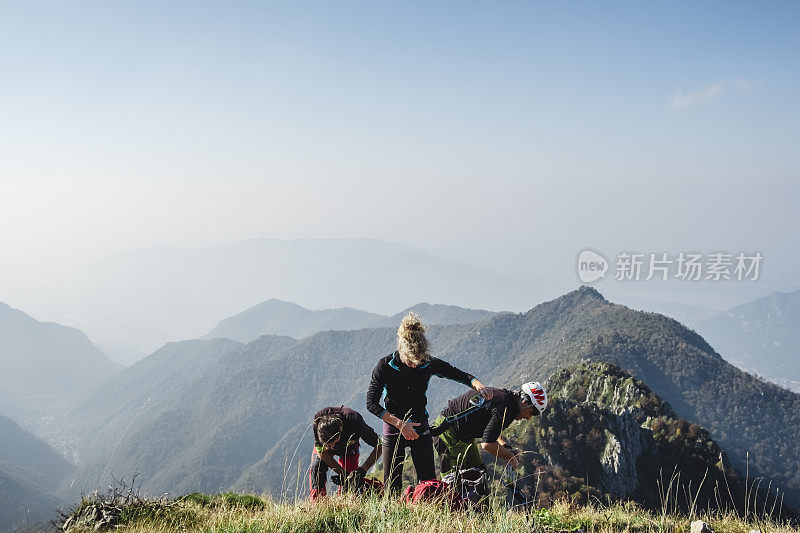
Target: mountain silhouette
{"x":762,"y":337}
{"x":45,"y":367}
{"x":276,"y":317}
{"x":29,"y":474}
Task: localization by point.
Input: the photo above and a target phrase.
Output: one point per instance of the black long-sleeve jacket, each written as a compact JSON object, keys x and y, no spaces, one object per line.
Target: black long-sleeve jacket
{"x":405,"y":387}
{"x":485,"y":422}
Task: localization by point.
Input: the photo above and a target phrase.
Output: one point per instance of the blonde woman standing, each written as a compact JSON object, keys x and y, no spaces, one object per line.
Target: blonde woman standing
{"x":404,"y":376}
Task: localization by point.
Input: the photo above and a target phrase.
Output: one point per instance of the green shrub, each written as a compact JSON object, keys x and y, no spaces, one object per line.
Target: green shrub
{"x":199,"y":498}
{"x":245,"y":501}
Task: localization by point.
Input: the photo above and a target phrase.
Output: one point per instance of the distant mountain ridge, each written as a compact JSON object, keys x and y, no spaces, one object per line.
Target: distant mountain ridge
{"x":28,"y":457}
{"x":276,"y":317}
{"x":762,"y":336}
{"x":18,"y":498}
{"x":242,"y":419}
{"x":167,"y":294}
{"x":153,"y":387}
{"x":44,"y":366}
{"x":30,"y":472}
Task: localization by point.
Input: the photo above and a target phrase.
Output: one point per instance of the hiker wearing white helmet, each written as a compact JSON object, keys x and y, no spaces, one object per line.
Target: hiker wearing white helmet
{"x":537,"y":395}
{"x":470,"y":416}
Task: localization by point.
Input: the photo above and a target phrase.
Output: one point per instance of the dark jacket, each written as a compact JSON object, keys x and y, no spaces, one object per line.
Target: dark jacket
{"x":353,"y":429}
{"x":488,"y":421}
{"x":405,"y":387}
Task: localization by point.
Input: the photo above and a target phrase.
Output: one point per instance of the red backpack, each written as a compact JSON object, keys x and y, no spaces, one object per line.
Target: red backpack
{"x":431,"y":490}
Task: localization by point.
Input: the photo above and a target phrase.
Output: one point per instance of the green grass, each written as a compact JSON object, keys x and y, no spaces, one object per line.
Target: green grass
{"x":227,"y":499}
{"x":243,"y":513}
{"x":245,"y":501}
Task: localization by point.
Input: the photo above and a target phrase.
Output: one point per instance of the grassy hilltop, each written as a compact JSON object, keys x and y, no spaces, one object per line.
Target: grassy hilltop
{"x":599,"y":459}
{"x":237,"y":513}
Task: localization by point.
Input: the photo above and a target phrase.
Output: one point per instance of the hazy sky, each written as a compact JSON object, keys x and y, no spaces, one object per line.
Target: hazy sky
{"x":507,"y":134}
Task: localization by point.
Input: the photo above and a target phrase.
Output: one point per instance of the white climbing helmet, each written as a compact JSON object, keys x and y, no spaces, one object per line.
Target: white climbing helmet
{"x":537,"y":394}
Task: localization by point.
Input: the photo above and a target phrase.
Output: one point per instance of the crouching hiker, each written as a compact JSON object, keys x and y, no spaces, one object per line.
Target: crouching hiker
{"x":471,"y":416}
{"x":337,"y":431}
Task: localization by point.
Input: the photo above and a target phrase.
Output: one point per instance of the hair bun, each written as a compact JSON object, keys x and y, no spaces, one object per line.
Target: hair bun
{"x":411,"y":322}
{"x":411,"y":341}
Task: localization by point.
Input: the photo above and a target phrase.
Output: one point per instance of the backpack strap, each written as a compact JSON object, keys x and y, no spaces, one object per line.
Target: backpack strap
{"x":477,"y":402}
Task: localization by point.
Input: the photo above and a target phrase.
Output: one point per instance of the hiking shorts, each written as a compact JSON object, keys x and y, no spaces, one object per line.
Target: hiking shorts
{"x":454,"y":452}
{"x":318,"y":472}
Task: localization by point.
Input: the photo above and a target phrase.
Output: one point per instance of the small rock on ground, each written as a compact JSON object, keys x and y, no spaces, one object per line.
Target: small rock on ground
{"x":698,"y":526}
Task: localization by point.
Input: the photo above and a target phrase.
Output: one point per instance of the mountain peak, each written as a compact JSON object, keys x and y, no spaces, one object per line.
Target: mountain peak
{"x":585,"y":291}
{"x":583,"y":294}
{"x":786,"y":298}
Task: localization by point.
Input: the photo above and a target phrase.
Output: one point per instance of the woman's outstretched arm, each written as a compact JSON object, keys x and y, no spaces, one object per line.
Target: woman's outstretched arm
{"x":443,"y":369}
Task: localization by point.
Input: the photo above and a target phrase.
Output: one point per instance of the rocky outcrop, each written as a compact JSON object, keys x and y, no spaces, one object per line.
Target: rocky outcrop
{"x":625,"y":444}
{"x":606,"y":434}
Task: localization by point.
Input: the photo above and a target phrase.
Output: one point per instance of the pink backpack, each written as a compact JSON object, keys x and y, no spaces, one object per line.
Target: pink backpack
{"x":432,"y":490}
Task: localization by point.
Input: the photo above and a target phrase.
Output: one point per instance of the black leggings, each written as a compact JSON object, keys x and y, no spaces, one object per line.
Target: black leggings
{"x":394,"y":453}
